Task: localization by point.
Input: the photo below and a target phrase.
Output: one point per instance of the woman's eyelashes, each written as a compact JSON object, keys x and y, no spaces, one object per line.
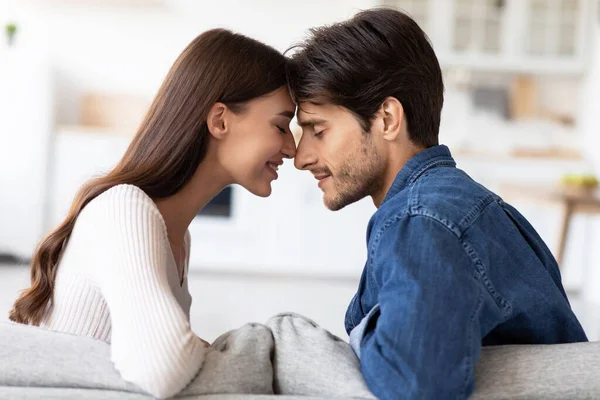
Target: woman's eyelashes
{"x":318,"y":134}
{"x":281,"y":130}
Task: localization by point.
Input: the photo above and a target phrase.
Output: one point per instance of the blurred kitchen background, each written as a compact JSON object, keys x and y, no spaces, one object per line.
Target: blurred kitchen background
{"x":521,"y":115}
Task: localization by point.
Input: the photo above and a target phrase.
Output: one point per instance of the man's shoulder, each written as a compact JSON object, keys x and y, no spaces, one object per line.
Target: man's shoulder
{"x":447,"y":195}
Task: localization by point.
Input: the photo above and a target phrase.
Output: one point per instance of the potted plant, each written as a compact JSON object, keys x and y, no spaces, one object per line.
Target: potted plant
{"x":10,"y":30}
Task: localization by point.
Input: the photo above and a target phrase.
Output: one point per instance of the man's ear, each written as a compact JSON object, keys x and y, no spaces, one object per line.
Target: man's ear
{"x":216,"y":121}
{"x":393,"y":118}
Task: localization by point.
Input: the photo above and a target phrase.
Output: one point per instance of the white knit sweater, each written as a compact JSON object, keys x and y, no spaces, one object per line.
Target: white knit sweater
{"x":117,"y":281}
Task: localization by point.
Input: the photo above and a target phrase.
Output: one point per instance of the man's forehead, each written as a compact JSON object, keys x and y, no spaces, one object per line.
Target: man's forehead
{"x":305,"y":110}
{"x":312,"y":114}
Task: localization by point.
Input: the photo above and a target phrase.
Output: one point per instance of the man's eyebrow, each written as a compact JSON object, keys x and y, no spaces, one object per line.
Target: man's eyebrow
{"x":289,"y":114}
{"x":311,"y":122}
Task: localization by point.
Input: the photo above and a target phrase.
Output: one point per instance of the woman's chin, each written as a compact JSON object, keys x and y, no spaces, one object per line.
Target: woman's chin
{"x":261,"y":190}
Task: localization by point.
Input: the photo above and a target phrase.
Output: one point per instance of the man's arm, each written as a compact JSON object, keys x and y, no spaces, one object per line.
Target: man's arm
{"x":426,"y":340}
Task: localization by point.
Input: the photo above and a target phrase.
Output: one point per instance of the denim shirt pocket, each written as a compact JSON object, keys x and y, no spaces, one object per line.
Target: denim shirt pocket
{"x":358,"y":333}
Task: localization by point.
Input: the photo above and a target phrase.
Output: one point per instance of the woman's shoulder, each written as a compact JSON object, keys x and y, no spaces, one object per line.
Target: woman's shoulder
{"x":124,"y":193}
{"x":121,"y":202}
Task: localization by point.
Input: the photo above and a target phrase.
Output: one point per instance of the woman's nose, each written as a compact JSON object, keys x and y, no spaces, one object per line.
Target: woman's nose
{"x":289,"y":146}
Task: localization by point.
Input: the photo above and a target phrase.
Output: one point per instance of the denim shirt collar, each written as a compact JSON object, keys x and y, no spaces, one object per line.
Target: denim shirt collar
{"x":419,"y":164}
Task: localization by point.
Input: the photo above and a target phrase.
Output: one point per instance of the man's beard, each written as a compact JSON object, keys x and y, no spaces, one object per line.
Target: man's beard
{"x":360,"y":176}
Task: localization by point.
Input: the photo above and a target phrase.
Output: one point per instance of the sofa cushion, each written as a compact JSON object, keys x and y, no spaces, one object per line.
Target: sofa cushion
{"x":237,"y":362}
{"x":34,"y":357}
{"x":559,"y":371}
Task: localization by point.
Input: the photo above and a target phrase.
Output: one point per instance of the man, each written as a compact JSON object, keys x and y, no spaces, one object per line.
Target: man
{"x":450,"y":267}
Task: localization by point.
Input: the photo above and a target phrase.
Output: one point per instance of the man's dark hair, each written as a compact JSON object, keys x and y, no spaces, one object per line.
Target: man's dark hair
{"x":360,"y":62}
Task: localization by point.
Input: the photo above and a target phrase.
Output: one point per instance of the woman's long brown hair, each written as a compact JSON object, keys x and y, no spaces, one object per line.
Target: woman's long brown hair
{"x":217,"y":66}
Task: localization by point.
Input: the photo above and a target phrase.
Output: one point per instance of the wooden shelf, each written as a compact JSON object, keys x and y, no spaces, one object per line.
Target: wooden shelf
{"x":89,"y":130}
{"x":522,"y":153}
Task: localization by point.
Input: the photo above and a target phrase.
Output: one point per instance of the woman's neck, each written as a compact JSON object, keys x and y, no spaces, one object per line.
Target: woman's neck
{"x":180,"y":209}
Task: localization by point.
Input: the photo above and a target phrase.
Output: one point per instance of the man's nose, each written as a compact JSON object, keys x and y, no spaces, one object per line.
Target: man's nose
{"x":305,"y":154}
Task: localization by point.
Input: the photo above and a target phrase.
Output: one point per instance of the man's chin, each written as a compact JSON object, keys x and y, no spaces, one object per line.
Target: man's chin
{"x":336,"y":203}
{"x":331,"y":206}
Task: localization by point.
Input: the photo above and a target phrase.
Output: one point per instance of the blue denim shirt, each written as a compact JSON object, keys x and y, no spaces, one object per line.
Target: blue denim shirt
{"x":450,"y":267}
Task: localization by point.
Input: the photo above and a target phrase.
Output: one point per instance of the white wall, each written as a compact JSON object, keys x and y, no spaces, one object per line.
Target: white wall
{"x":130,"y":49}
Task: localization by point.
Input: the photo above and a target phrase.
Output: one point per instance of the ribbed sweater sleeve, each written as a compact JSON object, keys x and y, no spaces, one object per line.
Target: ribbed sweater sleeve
{"x":152,"y":343}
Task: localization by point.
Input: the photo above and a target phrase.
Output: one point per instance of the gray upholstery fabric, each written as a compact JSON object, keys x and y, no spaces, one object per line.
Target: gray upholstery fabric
{"x":37,"y":393}
{"x":36,"y":357}
{"x":310,"y":361}
{"x":53,"y":393}
{"x":560,"y":371}
{"x":237,"y":362}
{"x":290,"y":354}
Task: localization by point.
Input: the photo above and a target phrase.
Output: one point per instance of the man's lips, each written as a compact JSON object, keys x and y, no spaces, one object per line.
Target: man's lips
{"x":322,"y":178}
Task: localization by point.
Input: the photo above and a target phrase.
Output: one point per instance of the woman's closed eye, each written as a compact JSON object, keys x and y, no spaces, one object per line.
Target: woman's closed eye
{"x":281,"y":129}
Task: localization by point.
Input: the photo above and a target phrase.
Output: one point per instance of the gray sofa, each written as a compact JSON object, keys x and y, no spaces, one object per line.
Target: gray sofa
{"x":40,"y":364}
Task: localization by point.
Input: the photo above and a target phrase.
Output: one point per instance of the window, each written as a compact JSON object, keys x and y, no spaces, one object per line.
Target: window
{"x":417,"y":9}
{"x":478,"y":25}
{"x":552,"y":27}
{"x":220,"y":206}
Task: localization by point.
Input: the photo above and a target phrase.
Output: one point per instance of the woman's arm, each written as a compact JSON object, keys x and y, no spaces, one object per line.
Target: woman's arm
{"x":152,"y":343}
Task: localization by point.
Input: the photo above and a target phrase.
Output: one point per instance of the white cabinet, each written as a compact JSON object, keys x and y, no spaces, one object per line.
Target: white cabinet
{"x":509,"y":35}
{"x":79,"y":155}
{"x":25,"y":125}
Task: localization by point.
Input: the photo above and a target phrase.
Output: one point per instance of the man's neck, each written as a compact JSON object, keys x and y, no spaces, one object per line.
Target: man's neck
{"x":398,"y":157}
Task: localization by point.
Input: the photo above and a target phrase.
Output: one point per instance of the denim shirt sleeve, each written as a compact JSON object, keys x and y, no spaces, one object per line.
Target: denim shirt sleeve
{"x":426,"y":339}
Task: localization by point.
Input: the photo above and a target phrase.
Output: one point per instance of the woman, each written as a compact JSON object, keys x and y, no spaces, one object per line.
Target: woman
{"x":116,"y":268}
